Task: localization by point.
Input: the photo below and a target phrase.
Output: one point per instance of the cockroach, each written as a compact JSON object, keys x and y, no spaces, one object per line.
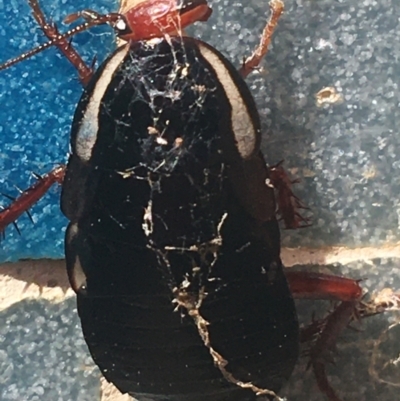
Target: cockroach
{"x":173,"y":244}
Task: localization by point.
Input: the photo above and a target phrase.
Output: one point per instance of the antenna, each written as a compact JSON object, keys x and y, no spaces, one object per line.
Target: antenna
{"x":92,"y":19}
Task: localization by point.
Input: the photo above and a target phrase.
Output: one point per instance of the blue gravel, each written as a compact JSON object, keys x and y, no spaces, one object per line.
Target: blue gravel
{"x":37,"y":102}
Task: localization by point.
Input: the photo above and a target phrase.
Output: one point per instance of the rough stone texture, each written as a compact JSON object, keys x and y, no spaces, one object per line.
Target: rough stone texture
{"x":42,"y":353}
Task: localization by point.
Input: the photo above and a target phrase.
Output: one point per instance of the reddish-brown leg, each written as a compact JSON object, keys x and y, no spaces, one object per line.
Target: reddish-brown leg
{"x":312,"y":285}
{"x":30,"y":196}
{"x":51,"y":31}
{"x":330,"y":330}
{"x":288,"y":203}
{"x":254,"y":60}
{"x":324,"y":333}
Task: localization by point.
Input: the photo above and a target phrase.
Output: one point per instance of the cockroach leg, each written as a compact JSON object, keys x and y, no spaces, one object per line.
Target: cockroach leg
{"x":323,"y":334}
{"x":254,"y":60}
{"x":322,"y":380}
{"x":288,"y":203}
{"x":312,"y":285}
{"x":330,"y":329}
{"x":29,"y":197}
{"x":50,"y":30}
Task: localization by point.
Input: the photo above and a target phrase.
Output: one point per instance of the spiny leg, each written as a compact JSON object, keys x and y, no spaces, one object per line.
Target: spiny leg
{"x":289,"y":204}
{"x":254,"y":60}
{"x":22,"y":203}
{"x":50,"y":30}
{"x":323,"y":334}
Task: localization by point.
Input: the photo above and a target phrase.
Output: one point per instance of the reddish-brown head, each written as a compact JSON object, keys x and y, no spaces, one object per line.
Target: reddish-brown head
{"x":155,"y":18}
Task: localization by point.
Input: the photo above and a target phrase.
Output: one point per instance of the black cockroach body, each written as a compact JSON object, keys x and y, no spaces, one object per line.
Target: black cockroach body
{"x":173,"y":245}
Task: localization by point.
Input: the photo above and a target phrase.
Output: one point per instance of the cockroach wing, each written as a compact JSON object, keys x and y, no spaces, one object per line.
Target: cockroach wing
{"x":173,"y":246}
